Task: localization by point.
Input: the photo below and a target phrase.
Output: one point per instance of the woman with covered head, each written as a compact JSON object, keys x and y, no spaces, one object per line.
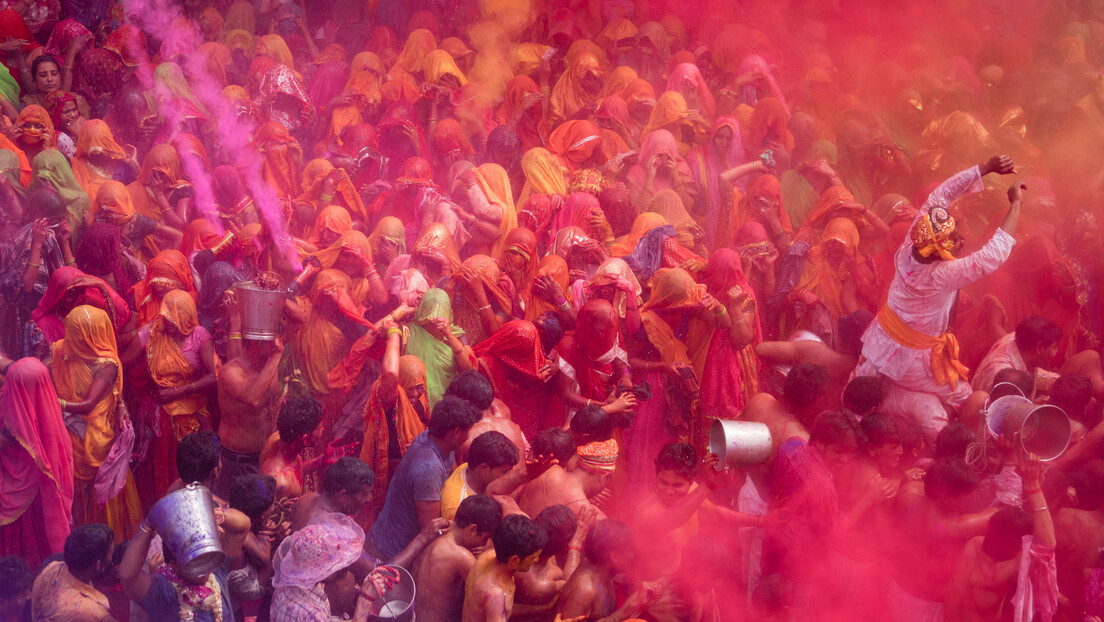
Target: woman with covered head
{"x":98,"y":158}
{"x":70,"y":288}
{"x":491,"y":202}
{"x":522,"y":110}
{"x":593,"y":363}
{"x":578,"y":88}
{"x":351,"y":253}
{"x":181,"y":361}
{"x":161,"y":192}
{"x":513,"y":360}
{"x":89,"y":378}
{"x":33,"y":131}
{"x":661,"y":167}
{"x":51,"y":170}
{"x":39,"y":248}
{"x":281,"y":158}
{"x":167,"y":271}
{"x":836,"y":273}
{"x":37,"y":459}
{"x":139,"y":233}
{"x":482,"y":297}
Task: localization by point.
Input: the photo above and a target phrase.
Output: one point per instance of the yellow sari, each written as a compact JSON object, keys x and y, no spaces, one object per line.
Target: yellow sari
{"x":90,"y":341}
{"x":495,"y":184}
{"x":168,"y":368}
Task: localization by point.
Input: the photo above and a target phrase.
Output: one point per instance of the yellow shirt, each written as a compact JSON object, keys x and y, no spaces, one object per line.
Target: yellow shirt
{"x":454,"y":491}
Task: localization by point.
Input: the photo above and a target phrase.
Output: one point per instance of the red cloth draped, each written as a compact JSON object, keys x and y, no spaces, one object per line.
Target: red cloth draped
{"x":595,"y":335}
{"x":512,"y":360}
{"x":95,"y":292}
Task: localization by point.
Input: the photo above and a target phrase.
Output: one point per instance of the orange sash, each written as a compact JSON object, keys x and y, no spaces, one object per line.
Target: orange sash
{"x":944,"y":348}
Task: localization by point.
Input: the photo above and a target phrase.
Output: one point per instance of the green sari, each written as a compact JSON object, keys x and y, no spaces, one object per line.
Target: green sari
{"x":440,"y":363}
{"x":51,"y":167}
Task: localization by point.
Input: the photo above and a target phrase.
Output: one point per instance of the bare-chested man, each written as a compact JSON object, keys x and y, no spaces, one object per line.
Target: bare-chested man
{"x":1080,"y":534}
{"x":298,"y":425}
{"x":489,"y":590}
{"x":590,"y":592}
{"x":346,"y":488}
{"x":474,"y":387}
{"x":539,"y":588}
{"x":443,"y":568}
{"x":586,"y":473}
{"x":248,"y":389}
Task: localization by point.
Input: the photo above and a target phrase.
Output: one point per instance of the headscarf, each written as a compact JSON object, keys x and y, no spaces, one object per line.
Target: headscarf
{"x":613,"y":267}
{"x":168,"y":367}
{"x":89,"y":340}
{"x":350,"y":239}
{"x":315,"y":172}
{"x":644,"y":223}
{"x":932,"y":234}
{"x":659,"y":141}
{"x":669,"y":114}
{"x":162,"y":158}
{"x":822,"y":279}
{"x":495,"y":184}
{"x":50,"y":167}
{"x":327,"y":83}
{"x":200,"y":234}
{"x":69,"y":279}
{"x":576,"y":211}
{"x":440,"y":363}
{"x":491,"y":275}
{"x":672,"y":289}
{"x":569,"y":96}
{"x":66,"y":33}
{"x":525,"y":58}
{"x":449,"y":139}
{"x":129,"y":43}
{"x":331,"y":542}
{"x":320,"y":344}
{"x":544,"y":174}
{"x":274,"y":47}
{"x":748,"y":94}
{"x":241,"y":16}
{"x":333,"y":218}
{"x":241,"y":40}
{"x":438,"y":64}
{"x":9,"y":86}
{"x":25,"y":173}
{"x":574,"y":142}
{"x":706,"y":164}
{"x":170,"y":268}
{"x":282,"y":157}
{"x":374,"y":449}
{"x":419,"y":44}
{"x":514,"y":346}
{"x":668,"y":204}
{"x":43,"y":469}
{"x":566,"y":238}
{"x":113,"y":204}
{"x":12,"y":27}
{"x":523,"y":243}
{"x":688,"y":74}
{"x":768,"y":188}
{"x":436,"y":240}
{"x":54,"y":102}
{"x":37,"y":114}
{"x":768,"y":123}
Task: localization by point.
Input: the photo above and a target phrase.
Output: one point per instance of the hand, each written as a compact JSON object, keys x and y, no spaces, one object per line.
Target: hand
{"x":435,"y":529}
{"x":817,"y":168}
{"x":378,"y":583}
{"x":560,"y":618}
{"x":438,"y":327}
{"x":587,"y":516}
{"x":12,"y":45}
{"x":711,"y":304}
{"x":548,"y":370}
{"x":623,"y":284}
{"x":693,"y":265}
{"x":671,"y":167}
{"x":508,"y":504}
{"x":640,"y":599}
{"x":1030,"y":469}
{"x":548,"y":288}
{"x":1000,"y":164}
{"x":64,"y":233}
{"x":328,"y":185}
{"x":1015,"y":193}
{"x":165,"y":395}
{"x":333,"y":452}
{"x":535,"y":467}
{"x":387,"y":324}
{"x":652,"y":166}
{"x":530,"y":100}
{"x":709,"y":475}
{"x":39,"y":231}
{"x":625,"y":403}
{"x":230,"y":302}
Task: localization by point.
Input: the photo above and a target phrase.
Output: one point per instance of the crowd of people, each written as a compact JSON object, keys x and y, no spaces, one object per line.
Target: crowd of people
{"x":456,"y":292}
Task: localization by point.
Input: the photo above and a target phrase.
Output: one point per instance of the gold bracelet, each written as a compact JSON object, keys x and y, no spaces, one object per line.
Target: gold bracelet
{"x":394,"y":331}
{"x":63,"y":404}
{"x":484,"y":307}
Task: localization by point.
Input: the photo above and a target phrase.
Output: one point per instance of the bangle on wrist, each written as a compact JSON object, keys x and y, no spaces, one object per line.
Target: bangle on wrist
{"x":1040,"y":509}
{"x":1028,"y":493}
{"x":62,"y":403}
{"x":234,"y":335}
{"x":486,"y":307}
{"x":394,"y":331}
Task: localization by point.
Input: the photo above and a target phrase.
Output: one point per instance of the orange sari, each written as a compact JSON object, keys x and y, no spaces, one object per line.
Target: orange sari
{"x":112,"y":204}
{"x":495,"y":184}
{"x":552,"y":266}
{"x":282,"y":157}
{"x":320,"y":344}
{"x":93,"y":138}
{"x":345,"y":194}
{"x":164,"y":159}
{"x":169,"y":268}
{"x":568,"y":96}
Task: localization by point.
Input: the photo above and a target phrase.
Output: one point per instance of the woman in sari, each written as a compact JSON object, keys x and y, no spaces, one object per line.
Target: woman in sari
{"x":282,"y":158}
{"x":161,"y":192}
{"x":762,"y":203}
{"x":687,"y":79}
{"x":51,"y":170}
{"x":281,"y":97}
{"x":89,"y":378}
{"x":660,"y":167}
{"x":708,"y":163}
{"x":235,"y":207}
{"x":351,"y":253}
{"x":519,"y":257}
{"x":331,"y":223}
{"x":544,"y":174}
{"x":512,"y":359}
{"x":577,"y":88}
{"x":578,"y":145}
{"x":70,"y":288}
{"x":329,"y":321}
{"x":592,"y":362}
{"x":493,"y":183}
{"x":482,"y":297}
{"x":34,"y":131}
{"x":651,"y":51}
{"x":212,"y":312}
{"x":450,"y":145}
{"x":767,"y":130}
{"x":180,"y":359}
{"x":323,"y":185}
{"x":671,"y":113}
{"x":100,"y":253}
{"x":440,"y":344}
{"x":727,"y":365}
{"x":168,"y":271}
{"x":388,"y":241}
{"x":668,"y":204}
{"x":836,"y":274}
{"x":522,"y":110}
{"x":548,"y":291}
{"x":419,"y":44}
{"x":658,"y":356}
{"x":435,"y":255}
{"x":67,"y":120}
{"x":37,"y":460}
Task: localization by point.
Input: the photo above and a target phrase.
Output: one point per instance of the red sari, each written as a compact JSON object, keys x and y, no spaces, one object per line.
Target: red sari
{"x":512,"y":360}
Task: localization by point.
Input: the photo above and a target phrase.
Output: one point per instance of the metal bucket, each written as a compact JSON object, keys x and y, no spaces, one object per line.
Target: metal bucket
{"x":997,"y":409}
{"x":1043,"y":430}
{"x":185,"y":520}
{"x":396,"y":603}
{"x":262,"y":310}
{"x":740,"y":443}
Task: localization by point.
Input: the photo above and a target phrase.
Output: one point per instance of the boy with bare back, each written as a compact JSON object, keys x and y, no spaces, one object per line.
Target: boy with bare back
{"x":248,"y":392}
{"x":444,"y":567}
{"x":489,"y":591}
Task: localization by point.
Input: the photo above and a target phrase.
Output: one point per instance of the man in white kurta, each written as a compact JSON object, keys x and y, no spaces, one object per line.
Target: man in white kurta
{"x":921,"y":295}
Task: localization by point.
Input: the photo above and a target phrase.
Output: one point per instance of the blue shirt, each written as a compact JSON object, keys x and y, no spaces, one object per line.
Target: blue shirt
{"x":160,"y":602}
{"x":419,"y":477}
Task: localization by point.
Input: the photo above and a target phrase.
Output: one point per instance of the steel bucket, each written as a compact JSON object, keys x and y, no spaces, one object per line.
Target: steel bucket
{"x":185,"y":520}
{"x":262,"y":311}
{"x":740,"y":443}
{"x":1043,"y":430}
{"x":396,"y":603}
{"x":997,"y":409}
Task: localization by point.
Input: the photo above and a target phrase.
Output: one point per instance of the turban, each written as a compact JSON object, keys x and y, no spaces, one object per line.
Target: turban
{"x":599,"y":457}
{"x":932,"y":233}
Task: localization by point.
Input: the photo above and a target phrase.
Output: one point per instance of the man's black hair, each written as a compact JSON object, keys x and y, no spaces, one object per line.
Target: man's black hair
{"x":949,"y":477}
{"x":953,"y":440}
{"x":348,"y":475}
{"x":15,"y":577}
{"x":518,"y":535}
{"x":863,"y":395}
{"x":474,"y":387}
{"x":197,"y":455}
{"x":678,"y":457}
{"x":87,"y":545}
{"x":593,"y":422}
{"x":479,"y":510}
{"x":299,"y":417}
{"x":452,"y":413}
{"x":252,"y":495}
{"x":493,"y":449}
{"x":605,"y":538}
{"x":554,"y":442}
{"x":560,"y":524}
{"x":805,"y":384}
{"x":839,"y":428}
{"x":1036,"y":331}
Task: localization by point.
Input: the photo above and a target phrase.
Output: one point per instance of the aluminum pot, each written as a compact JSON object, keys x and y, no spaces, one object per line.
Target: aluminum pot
{"x":262,"y":311}
{"x":396,"y":603}
{"x":185,"y":520}
{"x":1043,"y":430}
{"x":740,"y":443}
{"x":997,"y":409}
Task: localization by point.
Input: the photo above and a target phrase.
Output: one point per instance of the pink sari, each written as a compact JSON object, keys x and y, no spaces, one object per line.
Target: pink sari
{"x":706,"y":164}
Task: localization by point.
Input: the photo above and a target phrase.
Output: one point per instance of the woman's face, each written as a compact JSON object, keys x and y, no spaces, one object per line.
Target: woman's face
{"x":515,"y":260}
{"x":450,"y":82}
{"x":161,"y":289}
{"x":641,"y":111}
{"x":722,"y":140}
{"x":834,"y":252}
{"x":592,"y":83}
{"x":69,"y":113}
{"x":48,"y":77}
{"x":387,"y":250}
{"x":670,"y":487}
{"x":327,"y":237}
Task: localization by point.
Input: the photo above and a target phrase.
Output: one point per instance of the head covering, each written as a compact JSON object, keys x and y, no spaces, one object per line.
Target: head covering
{"x":614,"y":267}
{"x":599,"y":457}
{"x":768,"y":123}
{"x":50,"y":167}
{"x":668,"y":203}
{"x":932,"y":233}
{"x":494,"y":181}
{"x":569,"y":96}
{"x":199,"y":235}
{"x":43,"y":470}
{"x":66,"y":280}
{"x":438,"y":64}
{"x":54,"y":102}
{"x":169,"y":268}
{"x":241,"y":16}
{"x":436,"y":241}
{"x":282,"y":157}
{"x":574,"y":142}
{"x":657,"y":142}
{"x":274,"y":47}
{"x":644,"y":223}
{"x":544,"y":174}
{"x":439,"y":359}
{"x":673,"y":289}
{"x":113,"y":204}
{"x":390,"y":228}
{"x":514,"y":346}
{"x":42,"y":139}
{"x":419,"y":44}
{"x":330,"y":543}
{"x":66,"y":33}
{"x":688,"y":76}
